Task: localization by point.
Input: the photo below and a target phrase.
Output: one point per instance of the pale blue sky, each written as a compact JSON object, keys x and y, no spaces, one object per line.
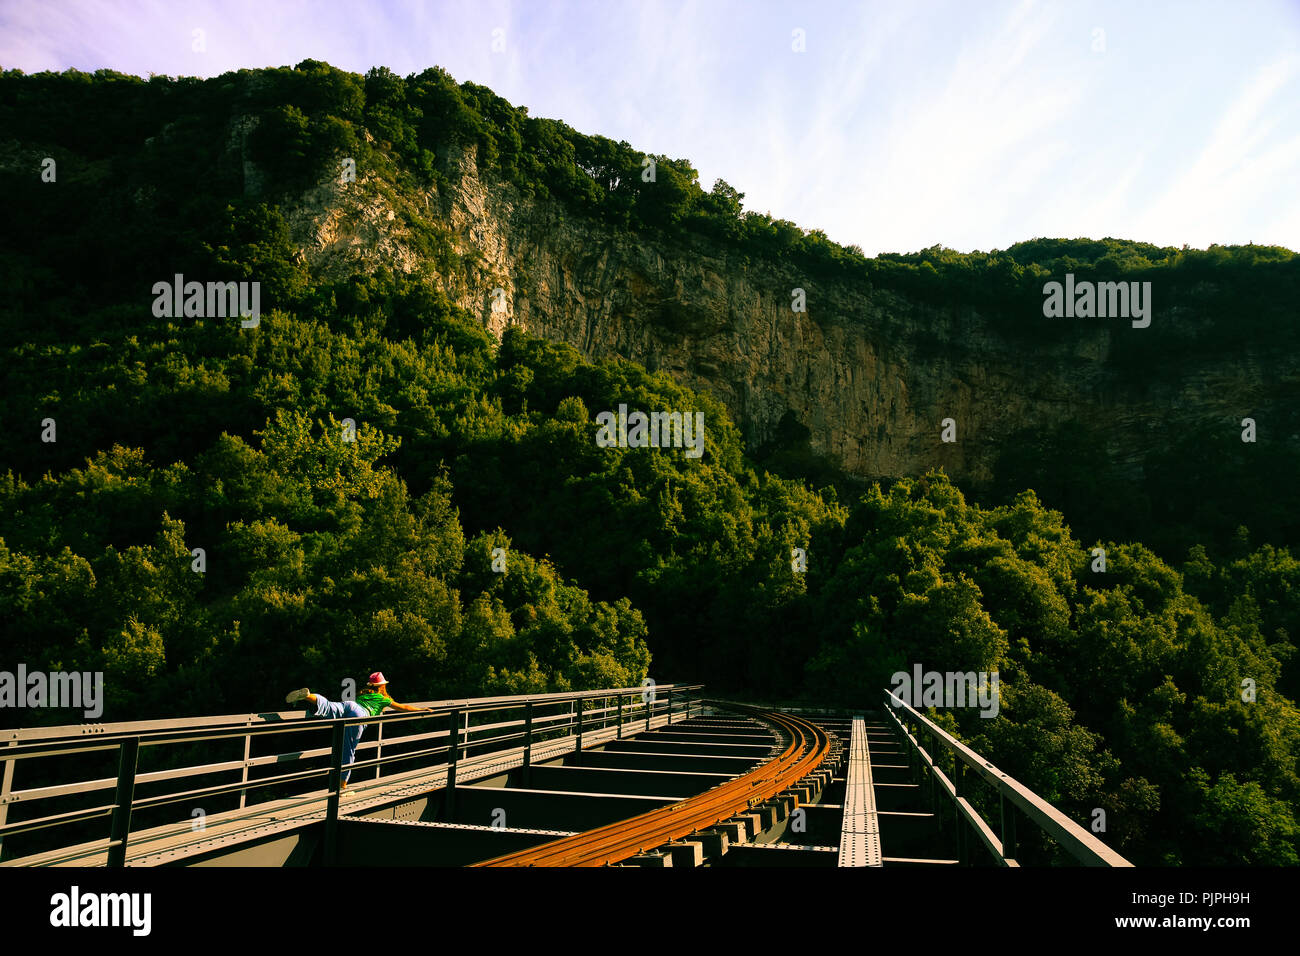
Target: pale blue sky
{"x":972,"y":124}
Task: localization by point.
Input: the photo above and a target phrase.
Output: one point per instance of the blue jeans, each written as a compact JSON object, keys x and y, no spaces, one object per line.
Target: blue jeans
{"x":351,"y":734}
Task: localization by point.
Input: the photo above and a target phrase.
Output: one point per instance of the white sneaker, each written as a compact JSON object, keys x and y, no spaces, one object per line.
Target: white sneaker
{"x":294,"y":696}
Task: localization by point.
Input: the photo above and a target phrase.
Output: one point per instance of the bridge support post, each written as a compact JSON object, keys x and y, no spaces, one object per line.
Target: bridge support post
{"x":578,"y":724}
{"x":1009,"y":847}
{"x":946,"y":809}
{"x":960,"y":823}
{"x":670,"y":706}
{"x":915,"y":766}
{"x":619,"y":735}
{"x":248,"y":753}
{"x":528,"y":744}
{"x":335,"y":794}
{"x":935,"y":804}
{"x":453,"y":753}
{"x":128,"y":760}
{"x":6,"y":785}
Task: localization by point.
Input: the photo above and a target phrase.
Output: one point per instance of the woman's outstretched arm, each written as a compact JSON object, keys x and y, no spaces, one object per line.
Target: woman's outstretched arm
{"x":411,"y":707}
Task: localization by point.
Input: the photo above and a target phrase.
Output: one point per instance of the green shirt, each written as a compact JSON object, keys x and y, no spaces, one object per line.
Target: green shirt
{"x":374,"y":702}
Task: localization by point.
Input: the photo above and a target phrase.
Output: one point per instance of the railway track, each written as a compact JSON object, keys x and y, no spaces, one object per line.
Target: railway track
{"x":808,"y":746}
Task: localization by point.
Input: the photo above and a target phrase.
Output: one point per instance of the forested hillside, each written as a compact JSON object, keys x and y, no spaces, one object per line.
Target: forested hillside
{"x":131,"y":440}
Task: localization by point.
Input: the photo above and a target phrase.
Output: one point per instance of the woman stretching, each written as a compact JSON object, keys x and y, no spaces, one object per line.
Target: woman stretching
{"x":371,"y":702}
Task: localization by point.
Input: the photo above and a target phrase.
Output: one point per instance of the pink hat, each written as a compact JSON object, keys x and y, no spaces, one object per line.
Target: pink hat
{"x":377,"y":678}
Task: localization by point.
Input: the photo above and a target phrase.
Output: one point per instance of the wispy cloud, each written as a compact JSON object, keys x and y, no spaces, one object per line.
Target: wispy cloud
{"x":1252,"y":149}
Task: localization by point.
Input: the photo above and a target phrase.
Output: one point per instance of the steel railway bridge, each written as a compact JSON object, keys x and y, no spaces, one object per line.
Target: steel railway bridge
{"x":621,"y":777}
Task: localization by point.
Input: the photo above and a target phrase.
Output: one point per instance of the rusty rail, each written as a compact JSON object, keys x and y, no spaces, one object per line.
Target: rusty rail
{"x":808,"y":747}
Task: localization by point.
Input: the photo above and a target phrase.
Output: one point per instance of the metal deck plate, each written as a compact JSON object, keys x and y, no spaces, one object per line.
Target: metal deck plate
{"x":860,"y":831}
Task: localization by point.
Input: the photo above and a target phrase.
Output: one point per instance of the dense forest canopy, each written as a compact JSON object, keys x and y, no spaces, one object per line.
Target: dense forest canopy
{"x":326,"y":553}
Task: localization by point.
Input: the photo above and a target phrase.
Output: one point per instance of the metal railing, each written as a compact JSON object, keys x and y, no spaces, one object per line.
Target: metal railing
{"x":509,"y":726}
{"x":1012,"y":796}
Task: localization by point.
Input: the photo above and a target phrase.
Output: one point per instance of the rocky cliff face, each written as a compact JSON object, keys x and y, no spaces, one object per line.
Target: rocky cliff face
{"x":871,"y":375}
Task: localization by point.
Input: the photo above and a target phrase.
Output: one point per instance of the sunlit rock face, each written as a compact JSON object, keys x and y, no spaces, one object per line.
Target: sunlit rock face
{"x":870,"y":374}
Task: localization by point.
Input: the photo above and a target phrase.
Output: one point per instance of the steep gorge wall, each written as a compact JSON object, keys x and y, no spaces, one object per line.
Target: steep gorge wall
{"x":870,"y":374}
